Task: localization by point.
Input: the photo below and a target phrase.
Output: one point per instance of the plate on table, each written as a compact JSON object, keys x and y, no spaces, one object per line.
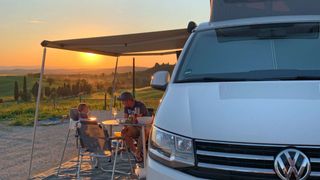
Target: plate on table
{"x":122,"y":120}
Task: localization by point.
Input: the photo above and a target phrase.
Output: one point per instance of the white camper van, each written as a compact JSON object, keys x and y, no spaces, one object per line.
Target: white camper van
{"x":243,"y":101}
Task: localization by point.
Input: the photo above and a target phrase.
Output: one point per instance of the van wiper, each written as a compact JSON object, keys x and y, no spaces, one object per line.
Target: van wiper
{"x":211,"y":79}
{"x":300,"y":78}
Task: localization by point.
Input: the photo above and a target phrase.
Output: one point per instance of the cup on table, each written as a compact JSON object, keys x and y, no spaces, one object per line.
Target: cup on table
{"x":122,"y":120}
{"x":114,"y":112}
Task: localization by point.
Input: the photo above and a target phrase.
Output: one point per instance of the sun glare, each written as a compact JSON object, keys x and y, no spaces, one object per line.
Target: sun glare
{"x":90,"y":58}
{"x":90,"y":55}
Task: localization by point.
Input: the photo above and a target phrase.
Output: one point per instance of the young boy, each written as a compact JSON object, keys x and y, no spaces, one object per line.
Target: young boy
{"x":83,"y":111}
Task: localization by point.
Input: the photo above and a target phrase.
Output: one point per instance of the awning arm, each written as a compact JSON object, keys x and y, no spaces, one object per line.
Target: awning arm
{"x":37,"y":110}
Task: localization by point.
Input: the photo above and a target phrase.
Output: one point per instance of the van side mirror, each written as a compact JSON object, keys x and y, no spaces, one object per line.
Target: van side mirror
{"x":160,"y":80}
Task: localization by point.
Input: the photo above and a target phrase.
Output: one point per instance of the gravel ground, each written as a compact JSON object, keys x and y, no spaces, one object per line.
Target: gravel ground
{"x":15,"y":149}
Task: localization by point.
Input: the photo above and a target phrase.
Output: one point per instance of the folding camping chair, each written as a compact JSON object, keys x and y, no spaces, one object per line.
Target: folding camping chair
{"x":96,"y":143}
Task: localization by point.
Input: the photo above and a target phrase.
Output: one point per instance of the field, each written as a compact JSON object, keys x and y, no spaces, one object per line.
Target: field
{"x":22,"y":114}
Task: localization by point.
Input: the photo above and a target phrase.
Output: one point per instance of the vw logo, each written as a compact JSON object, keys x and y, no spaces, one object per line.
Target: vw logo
{"x":292,"y":164}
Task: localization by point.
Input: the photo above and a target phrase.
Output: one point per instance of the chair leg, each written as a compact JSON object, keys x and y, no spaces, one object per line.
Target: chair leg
{"x":115,"y":160}
{"x":128,"y":154}
{"x":79,"y":167}
{"x":78,"y":158}
{"x":78,"y":155}
{"x":64,"y":150}
{"x":122,"y":146}
{"x":94,"y":162}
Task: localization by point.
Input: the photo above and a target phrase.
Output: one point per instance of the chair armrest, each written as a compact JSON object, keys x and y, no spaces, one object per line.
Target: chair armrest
{"x":73,"y":124}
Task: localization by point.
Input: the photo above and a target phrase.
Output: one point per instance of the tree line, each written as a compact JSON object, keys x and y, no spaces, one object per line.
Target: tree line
{"x":81,"y":86}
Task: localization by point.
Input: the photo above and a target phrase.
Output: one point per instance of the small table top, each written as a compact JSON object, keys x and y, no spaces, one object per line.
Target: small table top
{"x":110,"y":122}
{"x":114,"y":122}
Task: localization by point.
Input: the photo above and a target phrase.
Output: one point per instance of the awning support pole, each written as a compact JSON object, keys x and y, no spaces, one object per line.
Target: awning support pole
{"x":178,"y":54}
{"x":114,"y":83}
{"x":134,"y":77}
{"x":37,"y":110}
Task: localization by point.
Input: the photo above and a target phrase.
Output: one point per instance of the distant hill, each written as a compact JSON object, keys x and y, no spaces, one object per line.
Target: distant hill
{"x":33,"y":70}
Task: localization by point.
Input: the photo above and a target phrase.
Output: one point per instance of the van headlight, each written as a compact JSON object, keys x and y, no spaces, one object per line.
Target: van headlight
{"x":170,"y":149}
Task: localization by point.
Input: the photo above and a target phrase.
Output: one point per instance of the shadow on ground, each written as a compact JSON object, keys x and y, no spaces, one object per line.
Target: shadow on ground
{"x":88,"y":171}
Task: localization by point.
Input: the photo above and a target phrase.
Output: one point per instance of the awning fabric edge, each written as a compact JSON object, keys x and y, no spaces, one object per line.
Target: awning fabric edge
{"x":140,"y":44}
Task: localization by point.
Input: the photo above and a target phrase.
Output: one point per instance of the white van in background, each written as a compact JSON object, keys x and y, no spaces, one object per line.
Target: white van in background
{"x":244,"y":98}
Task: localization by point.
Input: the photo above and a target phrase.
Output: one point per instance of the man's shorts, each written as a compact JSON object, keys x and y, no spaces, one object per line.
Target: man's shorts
{"x":132,"y":131}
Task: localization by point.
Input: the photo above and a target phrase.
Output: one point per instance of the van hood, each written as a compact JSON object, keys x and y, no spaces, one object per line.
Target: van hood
{"x":283,"y":112}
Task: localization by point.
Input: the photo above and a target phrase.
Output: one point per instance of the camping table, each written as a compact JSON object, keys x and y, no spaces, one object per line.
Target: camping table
{"x":113,"y":122}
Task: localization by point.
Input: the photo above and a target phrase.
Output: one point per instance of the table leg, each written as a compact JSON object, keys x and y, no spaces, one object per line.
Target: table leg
{"x":144,"y":147}
{"x":110,"y":131}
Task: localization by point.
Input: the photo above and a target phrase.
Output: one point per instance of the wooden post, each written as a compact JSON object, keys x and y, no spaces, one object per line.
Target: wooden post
{"x":105,"y":101}
{"x":134,"y":77}
{"x":114,"y":83}
{"x":54,"y":102}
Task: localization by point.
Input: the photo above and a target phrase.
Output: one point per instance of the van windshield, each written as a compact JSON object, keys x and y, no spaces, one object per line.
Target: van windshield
{"x":253,"y":53}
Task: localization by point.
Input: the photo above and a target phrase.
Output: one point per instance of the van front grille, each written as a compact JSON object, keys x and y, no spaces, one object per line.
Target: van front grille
{"x":235,"y":161}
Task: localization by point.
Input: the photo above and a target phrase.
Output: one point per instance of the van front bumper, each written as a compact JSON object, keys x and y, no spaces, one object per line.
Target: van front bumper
{"x":157,"y":171}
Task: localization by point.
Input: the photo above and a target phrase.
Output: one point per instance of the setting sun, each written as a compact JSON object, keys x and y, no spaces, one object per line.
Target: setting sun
{"x":90,"y":58}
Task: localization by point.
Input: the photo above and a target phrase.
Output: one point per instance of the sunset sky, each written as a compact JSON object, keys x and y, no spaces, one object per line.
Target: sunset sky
{"x":25,"y":23}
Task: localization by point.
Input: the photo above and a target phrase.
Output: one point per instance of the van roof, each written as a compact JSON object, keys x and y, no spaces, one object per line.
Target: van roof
{"x":257,"y":21}
{"x":223,"y":10}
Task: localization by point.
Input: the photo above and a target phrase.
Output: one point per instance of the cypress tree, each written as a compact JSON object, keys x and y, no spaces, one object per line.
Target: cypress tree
{"x":34,"y":90}
{"x":24,"y":94}
{"x":25,"y":85}
{"x":16,"y":91}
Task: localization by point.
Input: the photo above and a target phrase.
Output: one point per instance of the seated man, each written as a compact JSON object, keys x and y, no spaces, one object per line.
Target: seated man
{"x":132,"y":132}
